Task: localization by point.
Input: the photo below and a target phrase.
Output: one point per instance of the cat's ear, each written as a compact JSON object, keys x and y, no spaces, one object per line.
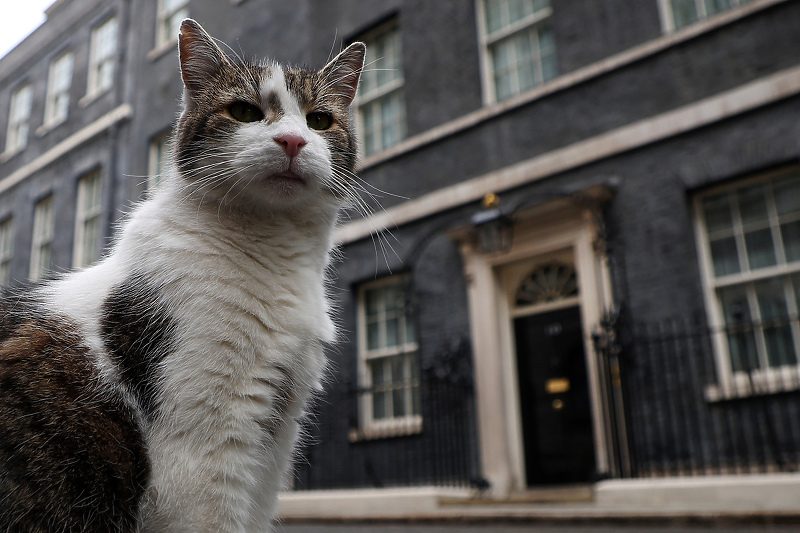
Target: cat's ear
{"x":341,"y":75}
{"x":201,"y":59}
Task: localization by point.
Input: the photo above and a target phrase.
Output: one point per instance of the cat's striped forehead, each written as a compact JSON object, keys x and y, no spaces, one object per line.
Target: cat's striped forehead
{"x":277,"y":90}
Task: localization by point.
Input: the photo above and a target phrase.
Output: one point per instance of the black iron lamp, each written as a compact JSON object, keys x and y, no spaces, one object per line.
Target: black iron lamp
{"x":495,"y":229}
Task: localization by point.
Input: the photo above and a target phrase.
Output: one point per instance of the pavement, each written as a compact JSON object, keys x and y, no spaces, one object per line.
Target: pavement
{"x":765,"y":501}
{"x":520,"y":528}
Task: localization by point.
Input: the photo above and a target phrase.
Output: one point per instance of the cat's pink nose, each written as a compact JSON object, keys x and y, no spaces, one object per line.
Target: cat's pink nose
{"x":291,"y":143}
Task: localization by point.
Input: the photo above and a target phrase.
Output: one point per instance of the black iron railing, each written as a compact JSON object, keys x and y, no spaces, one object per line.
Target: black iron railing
{"x":681,"y":410}
{"x":345,"y":447}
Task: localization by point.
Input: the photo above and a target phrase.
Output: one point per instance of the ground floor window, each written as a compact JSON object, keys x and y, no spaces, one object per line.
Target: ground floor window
{"x":389,"y":358}
{"x":750,"y":250}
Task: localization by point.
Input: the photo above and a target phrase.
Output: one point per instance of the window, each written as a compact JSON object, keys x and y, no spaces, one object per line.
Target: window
{"x":519,"y":46}
{"x":87,"y":220}
{"x":6,"y":251}
{"x":751,"y":249}
{"x":43,"y":226}
{"x":680,"y":13}
{"x":170,"y":15}
{"x":103,"y":57}
{"x":157,"y":160}
{"x":380,"y":100}
{"x":18,"y":117}
{"x":390,"y":368}
{"x":58,"y":85}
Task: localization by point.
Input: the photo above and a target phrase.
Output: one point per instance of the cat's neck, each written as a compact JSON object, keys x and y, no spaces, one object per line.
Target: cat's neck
{"x":174,"y":220}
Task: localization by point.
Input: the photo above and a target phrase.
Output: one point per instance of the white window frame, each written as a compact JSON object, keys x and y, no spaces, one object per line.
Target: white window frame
{"x":763,"y":380}
{"x":42,"y":241}
{"x":103,"y":55}
{"x":6,"y":249}
{"x":668,"y":17}
{"x":156,"y":160}
{"x":59,"y":83}
{"x":88,"y":213}
{"x":370,"y":427}
{"x":486,"y":41}
{"x":164,"y":21}
{"x":19,"y":115}
{"x":391,"y":89}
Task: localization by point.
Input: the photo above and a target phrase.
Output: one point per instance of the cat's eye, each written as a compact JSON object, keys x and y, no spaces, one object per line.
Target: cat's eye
{"x":319,"y":121}
{"x":244,"y":112}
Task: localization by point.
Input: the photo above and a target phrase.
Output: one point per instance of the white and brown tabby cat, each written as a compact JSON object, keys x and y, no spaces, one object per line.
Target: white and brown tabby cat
{"x":159,"y":390}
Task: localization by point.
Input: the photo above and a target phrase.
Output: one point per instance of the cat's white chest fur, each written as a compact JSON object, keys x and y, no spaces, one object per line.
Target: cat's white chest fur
{"x":251,"y":319}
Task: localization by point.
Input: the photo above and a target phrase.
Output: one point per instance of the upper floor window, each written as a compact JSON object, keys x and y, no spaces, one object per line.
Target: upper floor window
{"x":380,"y":99}
{"x":680,"y":13}
{"x":389,"y":358}
{"x":18,"y":119}
{"x":750,"y":245}
{"x":103,"y":56}
{"x":43,"y":230}
{"x":6,"y":251}
{"x":87,"y":220}
{"x":519,"y":46}
{"x":58,"y":86}
{"x":170,"y":15}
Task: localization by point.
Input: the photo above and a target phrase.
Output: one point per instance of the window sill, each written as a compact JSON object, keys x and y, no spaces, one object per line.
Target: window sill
{"x":398,"y":428}
{"x":162,"y":49}
{"x":46,"y":128}
{"x":741,"y":386}
{"x":5,"y":156}
{"x":91,"y":97}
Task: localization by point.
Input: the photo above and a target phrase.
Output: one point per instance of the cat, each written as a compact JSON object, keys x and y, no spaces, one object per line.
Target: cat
{"x":160,"y":389}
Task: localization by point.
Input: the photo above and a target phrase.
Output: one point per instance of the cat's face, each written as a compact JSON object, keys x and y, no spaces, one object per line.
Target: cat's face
{"x":264,"y":135}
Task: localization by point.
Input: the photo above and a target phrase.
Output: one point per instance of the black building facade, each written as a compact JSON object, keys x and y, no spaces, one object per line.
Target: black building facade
{"x":579,"y":254}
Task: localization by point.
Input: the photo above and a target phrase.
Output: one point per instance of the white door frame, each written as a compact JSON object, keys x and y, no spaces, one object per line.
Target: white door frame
{"x":560,"y":226}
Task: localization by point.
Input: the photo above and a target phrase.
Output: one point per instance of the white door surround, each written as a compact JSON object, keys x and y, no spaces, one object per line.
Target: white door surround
{"x":560,"y":230}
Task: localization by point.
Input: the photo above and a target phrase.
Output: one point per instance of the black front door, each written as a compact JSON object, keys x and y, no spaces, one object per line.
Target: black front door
{"x":554,"y":396}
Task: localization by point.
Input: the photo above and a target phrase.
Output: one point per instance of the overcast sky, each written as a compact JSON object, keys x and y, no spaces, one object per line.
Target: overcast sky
{"x":18,"y":18}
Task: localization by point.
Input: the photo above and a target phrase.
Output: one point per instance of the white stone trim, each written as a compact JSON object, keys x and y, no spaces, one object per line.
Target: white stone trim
{"x":81,"y":136}
{"x":554,"y":228}
{"x":747,"y":97}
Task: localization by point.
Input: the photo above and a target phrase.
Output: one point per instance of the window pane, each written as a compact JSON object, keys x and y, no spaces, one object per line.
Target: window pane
{"x":790,"y":233}
{"x":772,"y":300}
{"x":775,"y":319}
{"x":741,"y":337}
{"x":734,"y":305}
{"x":380,"y":405}
{"x":684,"y":12}
{"x":373,"y":336}
{"x":494,"y":15}
{"x":715,"y":6}
{"x":760,"y":249}
{"x":725,"y":257}
{"x":519,"y":9}
{"x":717,"y":213}
{"x":787,"y":196}
{"x":411,"y":333}
{"x":392,"y":332}
{"x":752,"y":205}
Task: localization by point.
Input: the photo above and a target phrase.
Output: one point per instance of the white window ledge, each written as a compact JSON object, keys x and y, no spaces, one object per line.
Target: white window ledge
{"x":87,"y":99}
{"x":760,"y":383}
{"x":395,"y":428}
{"x":46,"y":128}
